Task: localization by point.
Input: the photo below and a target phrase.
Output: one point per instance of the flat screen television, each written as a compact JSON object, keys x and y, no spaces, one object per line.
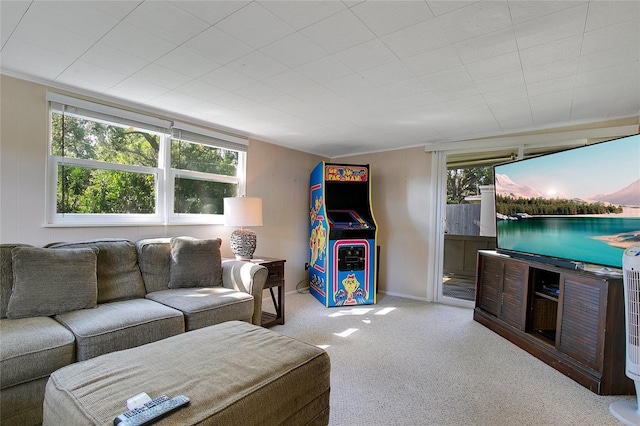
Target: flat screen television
{"x":578,"y":208}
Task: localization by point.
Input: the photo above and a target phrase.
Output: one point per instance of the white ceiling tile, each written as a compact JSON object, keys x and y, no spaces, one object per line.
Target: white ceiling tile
{"x":548,"y":87}
{"x":551,"y":52}
{"x":367,"y":55}
{"x":552,"y":27}
{"x":257,"y":65}
{"x":524,"y":11}
{"x":21,"y":57}
{"x":495,"y":66}
{"x":593,"y":101}
{"x":349,"y":84}
{"x":604,"y":14}
{"x":187,"y":62}
{"x":290,"y":81}
{"x":166,"y":21}
{"x":301,"y":14}
{"x":416,"y":39}
{"x":443,"y":79}
{"x":132,"y":40}
{"x":200,"y":90}
{"x":386,"y":17}
{"x":474,"y":20}
{"x":227,"y":79}
{"x":433,"y":61}
{"x":338,"y":32}
{"x":92,"y":73}
{"x":117,"y":9}
{"x":512,"y":80}
{"x":386,"y":74}
{"x":161,"y":76}
{"x":502,"y":97}
{"x":466,"y":94}
{"x":617,"y":73}
{"x":218,"y":46}
{"x":78,"y":18}
{"x":294,"y":50}
{"x":255,"y":26}
{"x":618,"y":55}
{"x":440,"y":7}
{"x":139,"y":88}
{"x":212,"y":13}
{"x":113,"y":59}
{"x":405,"y":88}
{"x":48,"y":36}
{"x":171,"y":100}
{"x":608,"y":37}
{"x":12,"y":13}
{"x":560,"y":69}
{"x":487,"y":46}
{"x":81,"y":83}
{"x":324,"y":69}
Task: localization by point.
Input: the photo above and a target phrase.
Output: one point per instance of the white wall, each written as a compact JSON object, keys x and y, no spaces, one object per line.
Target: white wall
{"x":400,"y":195}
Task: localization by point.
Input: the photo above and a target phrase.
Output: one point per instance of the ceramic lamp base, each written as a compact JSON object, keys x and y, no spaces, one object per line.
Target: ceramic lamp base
{"x":243,"y":243}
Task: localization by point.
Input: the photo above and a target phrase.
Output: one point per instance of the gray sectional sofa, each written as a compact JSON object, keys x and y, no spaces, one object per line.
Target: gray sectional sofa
{"x":69,"y":302}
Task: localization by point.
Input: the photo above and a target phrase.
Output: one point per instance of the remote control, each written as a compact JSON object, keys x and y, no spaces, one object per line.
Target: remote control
{"x":151,"y":411}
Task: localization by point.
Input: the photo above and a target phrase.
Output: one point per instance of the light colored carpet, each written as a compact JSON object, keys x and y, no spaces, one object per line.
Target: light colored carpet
{"x":407,"y":362}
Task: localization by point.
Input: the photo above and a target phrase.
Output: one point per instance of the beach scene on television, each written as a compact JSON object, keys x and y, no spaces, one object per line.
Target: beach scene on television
{"x":582,"y":204}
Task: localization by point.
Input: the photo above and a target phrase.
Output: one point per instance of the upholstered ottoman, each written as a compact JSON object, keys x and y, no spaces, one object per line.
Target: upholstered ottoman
{"x":235,"y":373}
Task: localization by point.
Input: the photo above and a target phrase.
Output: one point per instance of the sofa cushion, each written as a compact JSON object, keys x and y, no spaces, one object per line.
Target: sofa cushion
{"x":195,"y":263}
{"x":49,"y":282}
{"x":33,"y":348}
{"x":118,"y":273}
{"x":207,"y":306}
{"x":6,"y":275}
{"x":120,"y":325}
{"x":154,"y":256}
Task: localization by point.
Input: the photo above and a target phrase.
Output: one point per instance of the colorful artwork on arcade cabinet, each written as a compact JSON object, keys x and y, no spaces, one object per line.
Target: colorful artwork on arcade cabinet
{"x":341,"y":173}
{"x":342,"y":235}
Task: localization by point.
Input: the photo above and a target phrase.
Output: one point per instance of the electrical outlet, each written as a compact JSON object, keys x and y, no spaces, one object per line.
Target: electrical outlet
{"x":306,"y":266}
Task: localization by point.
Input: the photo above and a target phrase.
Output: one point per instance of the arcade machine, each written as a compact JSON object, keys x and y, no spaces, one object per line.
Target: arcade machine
{"x":342,"y":243}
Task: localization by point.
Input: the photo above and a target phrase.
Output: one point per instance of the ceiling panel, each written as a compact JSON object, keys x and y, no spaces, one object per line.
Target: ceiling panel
{"x":339,"y":77}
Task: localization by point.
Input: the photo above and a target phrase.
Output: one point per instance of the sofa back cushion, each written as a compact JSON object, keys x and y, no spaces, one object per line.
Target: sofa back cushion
{"x":49,"y":282}
{"x":195,"y":263}
{"x":6,"y":275}
{"x":119,"y":276}
{"x":179,"y":262}
{"x":154,"y":256}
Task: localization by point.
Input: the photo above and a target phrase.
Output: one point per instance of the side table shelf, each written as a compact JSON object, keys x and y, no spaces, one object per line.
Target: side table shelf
{"x":275,"y":279}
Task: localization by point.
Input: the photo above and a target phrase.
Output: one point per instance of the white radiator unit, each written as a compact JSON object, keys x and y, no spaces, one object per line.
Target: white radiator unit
{"x":628,"y":412}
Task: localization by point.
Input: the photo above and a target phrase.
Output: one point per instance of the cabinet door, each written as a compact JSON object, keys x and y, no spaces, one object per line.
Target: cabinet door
{"x":582,"y":328}
{"x":490,"y":284}
{"x":514,"y":293}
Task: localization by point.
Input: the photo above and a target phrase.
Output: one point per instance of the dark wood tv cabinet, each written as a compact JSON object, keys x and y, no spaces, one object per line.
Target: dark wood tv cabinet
{"x":571,"y":320}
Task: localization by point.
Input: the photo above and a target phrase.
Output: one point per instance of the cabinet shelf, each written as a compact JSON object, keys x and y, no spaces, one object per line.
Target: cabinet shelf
{"x":546,"y":296}
{"x":580,"y":332}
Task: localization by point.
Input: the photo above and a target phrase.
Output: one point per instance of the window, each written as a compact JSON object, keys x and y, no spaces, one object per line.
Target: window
{"x":111,"y":166}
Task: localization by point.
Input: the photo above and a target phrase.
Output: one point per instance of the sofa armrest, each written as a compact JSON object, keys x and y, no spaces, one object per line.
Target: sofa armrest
{"x":245,"y":276}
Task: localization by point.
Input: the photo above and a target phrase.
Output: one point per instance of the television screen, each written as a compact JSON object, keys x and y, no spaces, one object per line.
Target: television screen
{"x":580,"y":205}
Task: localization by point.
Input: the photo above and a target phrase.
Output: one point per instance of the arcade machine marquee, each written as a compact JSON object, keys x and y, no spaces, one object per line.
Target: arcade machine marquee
{"x":342,"y":243}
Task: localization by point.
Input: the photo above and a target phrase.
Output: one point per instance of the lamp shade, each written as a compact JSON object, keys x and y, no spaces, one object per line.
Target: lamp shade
{"x":243,"y":211}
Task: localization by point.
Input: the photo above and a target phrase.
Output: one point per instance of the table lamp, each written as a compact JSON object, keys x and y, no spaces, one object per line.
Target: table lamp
{"x":243,"y":211}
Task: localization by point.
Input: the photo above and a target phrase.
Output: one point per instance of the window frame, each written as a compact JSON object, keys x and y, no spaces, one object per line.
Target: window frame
{"x":164,"y":174}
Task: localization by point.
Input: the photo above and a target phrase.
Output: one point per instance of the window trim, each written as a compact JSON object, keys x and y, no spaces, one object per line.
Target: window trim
{"x":164,"y":175}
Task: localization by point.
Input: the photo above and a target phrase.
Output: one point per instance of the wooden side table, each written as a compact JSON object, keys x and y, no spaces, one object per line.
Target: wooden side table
{"x":275,"y":279}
